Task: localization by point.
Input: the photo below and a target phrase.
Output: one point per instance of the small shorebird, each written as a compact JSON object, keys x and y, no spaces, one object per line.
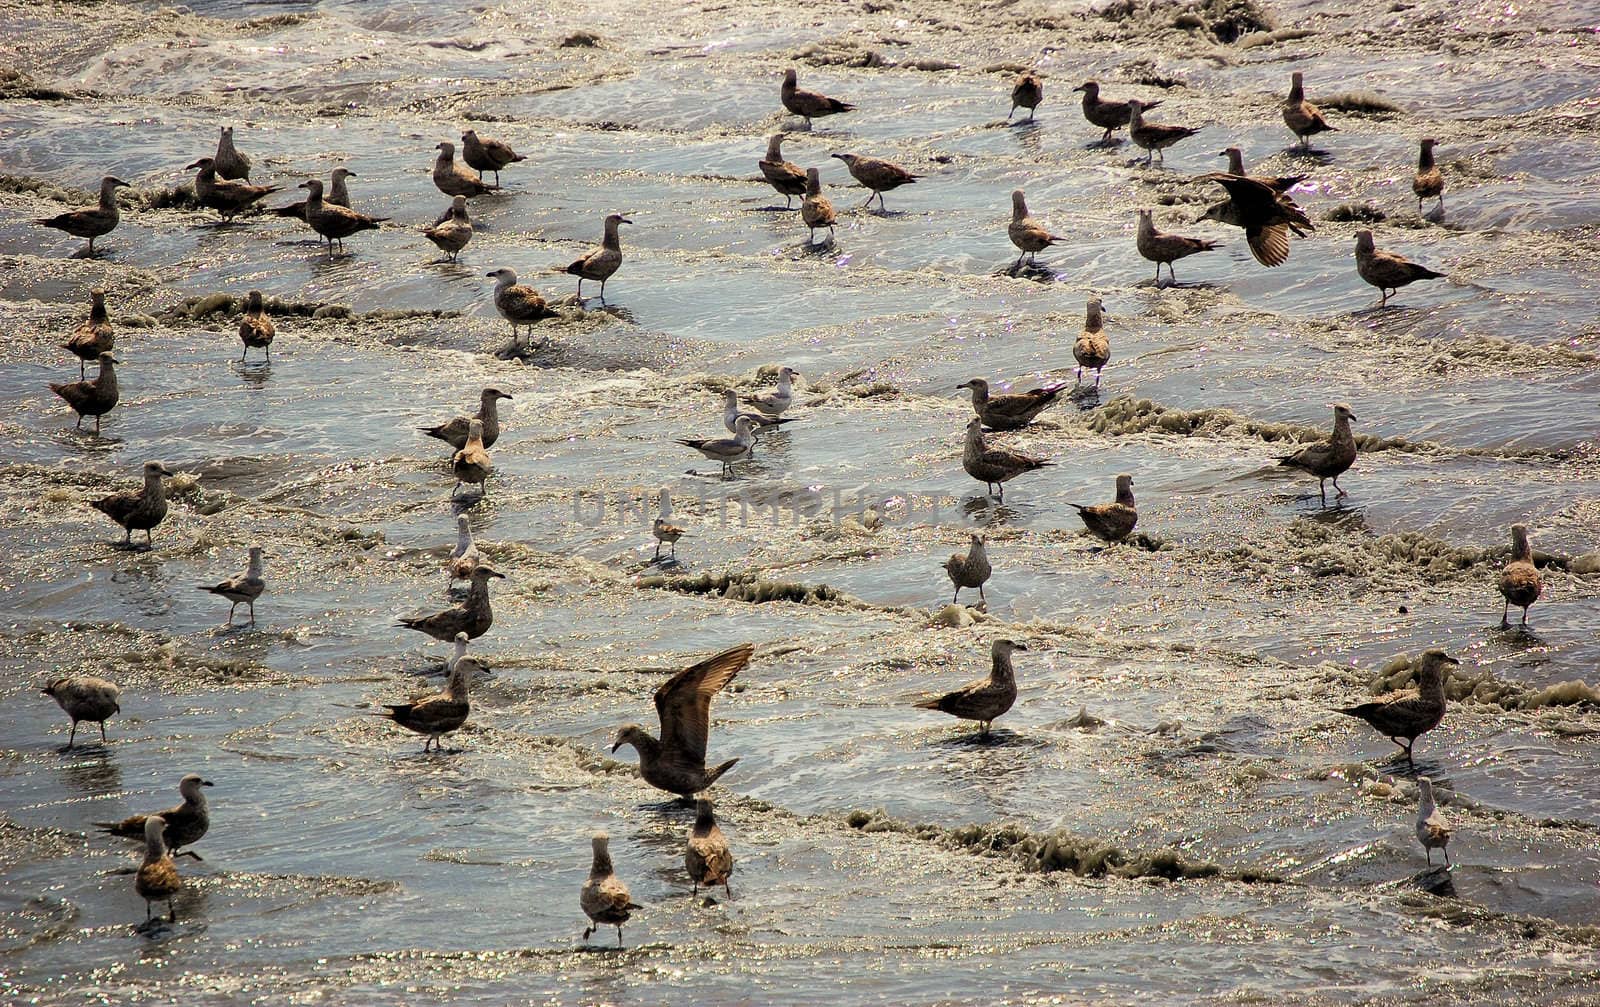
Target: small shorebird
{"x":519,"y":303}
{"x":786,"y":176}
{"x":138,"y":510}
{"x":230,"y":163}
{"x":1302,"y":117}
{"x":450,"y":179}
{"x":1519,"y":580}
{"x":707,"y":856}
{"x":1429,"y":181}
{"x":1433,"y":829}
{"x":987,"y":698}
{"x":94,"y":221}
{"x":1092,"y":348}
{"x":472,"y":463}
{"x":84,"y":697}
{"x":604,"y":898}
{"x":1404,"y":716}
{"x":1155,"y":138}
{"x":725,"y":450}
{"x":441,"y":713}
{"x":969,"y":569}
{"x":453,"y":229}
{"x":1114,"y":521}
{"x":665,"y":532}
{"x":601,"y":263}
{"x":808,"y":104}
{"x":1027,"y":93}
{"x":92,"y":398}
{"x":877,"y":175}
{"x":95,"y":336}
{"x":1328,"y":459}
{"x":1387,"y":271}
{"x":1009,"y":410}
{"x":255,"y":328}
{"x":1026,"y":233}
{"x":676,"y":763}
{"x":454,"y":430}
{"x":1160,"y":247}
{"x":486,"y":154}
{"x":243,"y":588}
{"x":1108,"y":115}
{"x":187,"y":823}
{"x":157,"y":880}
{"x":994,"y":466}
{"x":815,"y":209}
{"x":473,"y":616}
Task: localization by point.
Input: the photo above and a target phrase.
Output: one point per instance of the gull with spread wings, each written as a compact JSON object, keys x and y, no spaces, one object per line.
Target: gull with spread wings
{"x":676,"y":762}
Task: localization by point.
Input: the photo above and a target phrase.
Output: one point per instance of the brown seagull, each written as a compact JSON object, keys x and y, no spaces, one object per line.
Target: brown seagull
{"x":677,"y":762}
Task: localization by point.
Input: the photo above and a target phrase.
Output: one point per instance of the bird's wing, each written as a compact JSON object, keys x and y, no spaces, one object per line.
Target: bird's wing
{"x":1270,"y":245}
{"x":684,"y":702}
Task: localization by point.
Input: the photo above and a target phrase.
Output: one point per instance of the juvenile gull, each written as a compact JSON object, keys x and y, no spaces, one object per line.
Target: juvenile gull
{"x":987,"y":698}
{"x":725,"y":450}
{"x":465,"y":559}
{"x":604,"y":898}
{"x":84,"y":697}
{"x":786,"y":176}
{"x":603,"y":261}
{"x":450,"y":179}
{"x":487,"y":154}
{"x":878,"y":175}
{"x":774,"y":402}
{"x":1433,"y":829}
{"x":337,"y":193}
{"x":677,"y":762}
{"x":472,"y":463}
{"x":1328,"y":459}
{"x":815,"y":209}
{"x":1265,"y":214}
{"x":707,"y":856}
{"x":230,"y":163}
{"x":440,"y":713}
{"x":334,"y":223}
{"x":1153,"y":137}
{"x":518,"y":303}
{"x":157,"y":880}
{"x":1279,"y":183}
{"x":994,"y":466}
{"x":1403,"y":716}
{"x":1108,"y":115}
{"x":1302,"y":117}
{"x":1028,"y":93}
{"x":969,"y":569}
{"x":1429,"y":181}
{"x":1159,"y":247}
{"x":1386,"y":270}
{"x":663,"y":529}
{"x":241,"y":589}
{"x":1519,"y":580}
{"x":1093,"y":347}
{"x":229,"y":199}
{"x":453,"y":230}
{"x":472,"y":617}
{"x":1026,"y":233}
{"x":1114,"y":521}
{"x":92,"y":398}
{"x":92,"y":222}
{"x":1009,"y":410}
{"x":454,"y":431}
{"x":808,"y":104}
{"x":758,"y":421}
{"x":186,"y":824}
{"x":138,"y":510}
{"x":255,"y":328}
{"x":95,"y":336}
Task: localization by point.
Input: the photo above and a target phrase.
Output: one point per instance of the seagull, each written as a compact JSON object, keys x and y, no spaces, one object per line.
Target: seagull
{"x":677,"y":762}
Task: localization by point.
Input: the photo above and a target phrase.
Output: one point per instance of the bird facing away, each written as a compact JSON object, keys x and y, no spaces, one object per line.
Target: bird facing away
{"x":255,"y":328}
{"x":987,"y":698}
{"x":774,"y":402}
{"x":1519,"y":579}
{"x":138,"y":510}
{"x":758,"y":421}
{"x":604,"y":898}
{"x":157,"y":879}
{"x":994,"y":466}
{"x":1026,"y":233}
{"x":449,"y":177}
{"x":472,"y":463}
{"x":84,"y":697}
{"x":487,"y":154}
{"x":1028,"y":93}
{"x":94,"y":221}
{"x":808,"y":104}
{"x":229,"y":199}
{"x":1153,"y":137}
{"x":815,"y":209}
{"x":707,"y":856}
{"x":600,"y":263}
{"x":969,"y":569}
{"x":454,"y":431}
{"x":453,"y":229}
{"x":92,"y":398}
{"x":466,"y":557}
{"x":335,"y":223}
{"x":878,"y":175}
{"x":1114,"y":521}
{"x":95,"y":336}
{"x":472,"y":617}
{"x":1160,"y":247}
{"x":677,"y":762}
{"x":1265,"y":214}
{"x":1009,"y":410}
{"x":725,"y":450}
{"x":518,"y":303}
{"x":243,"y":588}
{"x":1386,"y":270}
{"x":187,"y":823}
{"x":1302,"y":117}
{"x":1429,"y":181}
{"x":1093,"y":347}
{"x":786,"y":176}
{"x":1108,"y":115}
{"x":664,"y":530}
{"x":1279,"y":183}
{"x":337,"y":193}
{"x":442,"y":712}
{"x":1404,"y":716}
{"x":230,"y":163}
{"x":1328,"y":459}
{"x":1433,"y":829}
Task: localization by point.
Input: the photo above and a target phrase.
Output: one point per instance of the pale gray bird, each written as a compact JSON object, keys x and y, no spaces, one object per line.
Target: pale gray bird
{"x":84,"y":697}
{"x":243,"y":588}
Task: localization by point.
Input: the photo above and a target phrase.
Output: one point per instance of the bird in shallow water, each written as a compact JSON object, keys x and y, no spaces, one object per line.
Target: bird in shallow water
{"x":987,"y":698}
{"x":1429,"y":180}
{"x":1328,"y":459}
{"x":774,"y":401}
{"x":186,"y":824}
{"x":1160,"y":247}
{"x":92,"y":398}
{"x":1155,"y":138}
{"x":602,"y":262}
{"x":228,"y":198}
{"x":969,"y":569}
{"x":816,"y":210}
{"x":1009,"y":410}
{"x":1519,"y":580}
{"x":1264,"y":213}
{"x":95,"y":336}
{"x":808,"y":104}
{"x":707,"y":856}
{"x":1433,"y":829}
{"x":94,"y":221}
{"x":85,"y":697}
{"x":725,"y":450}
{"x":453,"y":230}
{"x":141,"y":509}
{"x":994,"y":466}
{"x":676,"y":762}
{"x":786,"y":176}
{"x":335,"y":223}
{"x":604,"y":898}
{"x":450,"y":179}
{"x":1108,"y":115}
{"x":256,"y":330}
{"x":230,"y":163}
{"x":157,"y":879}
{"x":1404,"y":716}
{"x":472,"y":464}
{"x":1303,"y":118}
{"x":1092,"y":348}
{"x":1388,"y":271}
{"x":1114,"y":521}
{"x":1027,"y":234}
{"x":454,"y":430}
{"x":665,"y":531}
{"x":443,"y":712}
{"x":487,"y":154}
{"x":877,"y":175}
{"x":243,"y":588}
{"x":519,"y":304}
{"x":1027,"y":93}
{"x":473,"y":616}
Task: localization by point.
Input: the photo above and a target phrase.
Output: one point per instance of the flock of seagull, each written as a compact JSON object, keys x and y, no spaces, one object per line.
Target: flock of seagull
{"x":675,"y":761}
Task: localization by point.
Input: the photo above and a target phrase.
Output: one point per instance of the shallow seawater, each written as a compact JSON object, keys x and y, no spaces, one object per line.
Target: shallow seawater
{"x":1171,"y":813}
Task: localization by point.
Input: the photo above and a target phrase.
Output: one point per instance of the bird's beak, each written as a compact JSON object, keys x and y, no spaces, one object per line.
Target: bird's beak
{"x":624,"y":220}
{"x":616,"y":745}
{"x":497,"y":573}
{"x":1020,"y":646}
{"x":1079,"y":88}
{"x":1452,"y":660}
{"x":839,"y":156}
{"x":165,"y":471}
{"x":350,"y":174}
{"x":303,"y":185}
{"x":489,"y":275}
{"x":124,"y":185}
{"x":191,"y":167}
{"x":207,"y":783}
{"x":503,"y":395}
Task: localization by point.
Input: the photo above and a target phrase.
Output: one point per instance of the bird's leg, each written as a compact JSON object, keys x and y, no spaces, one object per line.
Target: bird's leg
{"x":191,"y":853}
{"x":1080,"y":376}
{"x":147,"y":912}
{"x":1097,"y":372}
{"x":955,"y":597}
{"x":1446,"y":851}
{"x":696,"y":892}
{"x":602,"y":291}
{"x":172,"y":912}
{"x":1008,"y":114}
{"x":981,"y":596}
{"x":79,"y":424}
{"x":230,"y":613}
{"x":658,"y":553}
{"x":1505,"y":616}
{"x":726,"y":889}
{"x":1524,"y":615}
{"x":252,"y":613}
{"x":1429,"y":851}
{"x":72,"y":734}
{"x":1337,"y":491}
{"x":587,"y":931}
{"x":102,"y":732}
{"x":1322,"y":490}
